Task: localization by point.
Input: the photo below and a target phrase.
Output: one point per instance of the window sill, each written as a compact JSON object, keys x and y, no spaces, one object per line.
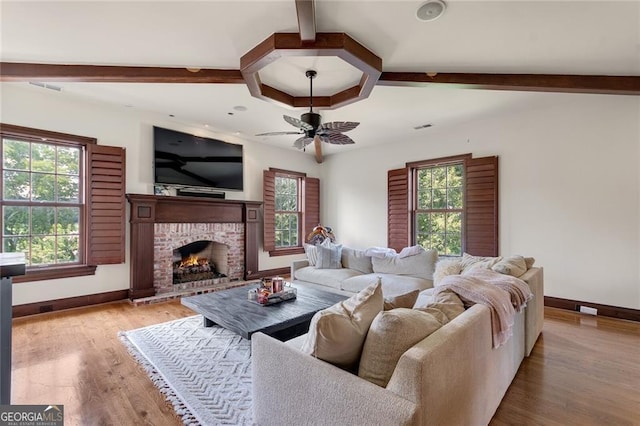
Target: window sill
{"x":286,"y":251}
{"x":55,"y":273}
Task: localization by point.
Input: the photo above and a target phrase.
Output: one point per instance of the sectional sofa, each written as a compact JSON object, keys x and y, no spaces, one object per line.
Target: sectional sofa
{"x":454,"y":376}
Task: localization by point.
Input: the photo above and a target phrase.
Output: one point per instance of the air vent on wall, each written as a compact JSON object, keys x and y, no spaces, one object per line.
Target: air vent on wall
{"x":424,"y":126}
{"x":46,"y":86}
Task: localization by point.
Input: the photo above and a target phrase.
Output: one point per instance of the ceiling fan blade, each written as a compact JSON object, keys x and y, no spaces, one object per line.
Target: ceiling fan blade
{"x":318,"y":145}
{"x":278,"y":133}
{"x":339,"y":126}
{"x":296,"y":122}
{"x":336,"y":139}
{"x":300,"y":143}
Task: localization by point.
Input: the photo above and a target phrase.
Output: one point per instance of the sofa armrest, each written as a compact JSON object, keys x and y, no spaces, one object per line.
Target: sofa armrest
{"x":534,"y":312}
{"x":297,"y":264}
{"x":292,"y":388}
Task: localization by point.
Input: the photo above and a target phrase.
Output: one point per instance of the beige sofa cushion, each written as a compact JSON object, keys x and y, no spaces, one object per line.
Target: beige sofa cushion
{"x":512,"y":265}
{"x":406,"y":300}
{"x":329,"y":277}
{"x":336,"y":334}
{"x":392,"y":285}
{"x":445,"y":306}
{"x":356,"y":259}
{"x":421,"y":265}
{"x":391,"y":334}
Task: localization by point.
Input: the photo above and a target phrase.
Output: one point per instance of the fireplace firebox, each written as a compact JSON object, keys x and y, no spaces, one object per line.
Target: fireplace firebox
{"x":199,"y":261}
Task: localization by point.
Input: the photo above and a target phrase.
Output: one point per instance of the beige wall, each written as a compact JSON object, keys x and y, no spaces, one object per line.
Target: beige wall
{"x":569,"y":189}
{"x":569,"y":184}
{"x":28,"y":106}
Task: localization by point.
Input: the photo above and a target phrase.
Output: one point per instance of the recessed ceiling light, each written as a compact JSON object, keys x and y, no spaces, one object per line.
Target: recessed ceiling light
{"x":240,"y":108}
{"x":431,"y":10}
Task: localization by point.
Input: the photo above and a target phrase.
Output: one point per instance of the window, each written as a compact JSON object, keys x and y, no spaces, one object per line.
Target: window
{"x":62,"y":202}
{"x":291,"y":210}
{"x":439,"y":208}
{"x":449,"y":204}
{"x":287,"y":212}
{"x":42,"y":208}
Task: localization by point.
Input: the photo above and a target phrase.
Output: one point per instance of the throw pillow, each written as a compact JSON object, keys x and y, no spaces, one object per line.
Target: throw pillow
{"x":312,"y":254}
{"x":356,"y":260}
{"x":529,"y":261}
{"x":406,"y":300}
{"x":337,"y":334}
{"x":391,"y":334}
{"x":446,"y":267}
{"x":469,"y":262}
{"x":329,"y":255}
{"x":512,"y":265}
{"x":445,"y":306}
{"x":421,"y":265}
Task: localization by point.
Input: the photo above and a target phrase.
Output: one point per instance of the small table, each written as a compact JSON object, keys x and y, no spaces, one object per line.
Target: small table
{"x":232,"y":310}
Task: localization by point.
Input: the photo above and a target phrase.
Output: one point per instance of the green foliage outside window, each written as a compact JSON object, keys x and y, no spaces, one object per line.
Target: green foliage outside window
{"x":439,"y":208}
{"x":41,"y":201}
{"x":287,"y":212}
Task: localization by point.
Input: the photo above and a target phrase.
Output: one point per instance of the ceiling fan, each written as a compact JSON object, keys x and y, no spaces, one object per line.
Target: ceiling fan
{"x":309,"y":125}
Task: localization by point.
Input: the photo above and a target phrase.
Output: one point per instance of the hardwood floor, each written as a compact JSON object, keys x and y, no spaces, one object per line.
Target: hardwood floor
{"x":583,"y":370}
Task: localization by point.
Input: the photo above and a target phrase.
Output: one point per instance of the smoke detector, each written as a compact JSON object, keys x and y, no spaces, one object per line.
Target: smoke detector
{"x":431,"y":10}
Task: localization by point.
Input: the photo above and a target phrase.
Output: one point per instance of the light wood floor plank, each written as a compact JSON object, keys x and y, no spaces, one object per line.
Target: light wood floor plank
{"x":584,"y":370}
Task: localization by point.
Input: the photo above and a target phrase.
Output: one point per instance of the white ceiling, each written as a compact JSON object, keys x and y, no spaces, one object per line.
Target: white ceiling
{"x":553,"y":37}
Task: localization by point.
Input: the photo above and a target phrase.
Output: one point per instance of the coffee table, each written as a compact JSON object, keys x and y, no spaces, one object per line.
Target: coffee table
{"x":232,"y":310}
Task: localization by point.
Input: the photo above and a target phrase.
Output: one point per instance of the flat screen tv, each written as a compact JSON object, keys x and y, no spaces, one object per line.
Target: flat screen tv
{"x":185,"y":160}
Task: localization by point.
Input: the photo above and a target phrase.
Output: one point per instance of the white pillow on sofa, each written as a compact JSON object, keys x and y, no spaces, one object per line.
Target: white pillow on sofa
{"x":336,"y":334}
{"x":356,"y":260}
{"x":421,"y":265}
{"x":329,"y":255}
{"x":312,"y":254}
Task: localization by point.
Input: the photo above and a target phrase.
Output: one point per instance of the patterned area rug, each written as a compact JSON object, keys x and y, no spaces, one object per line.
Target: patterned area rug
{"x":204,"y":372}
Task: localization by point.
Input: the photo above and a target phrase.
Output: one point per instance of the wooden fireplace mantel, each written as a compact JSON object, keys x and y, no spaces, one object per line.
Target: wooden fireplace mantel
{"x":149,"y":209}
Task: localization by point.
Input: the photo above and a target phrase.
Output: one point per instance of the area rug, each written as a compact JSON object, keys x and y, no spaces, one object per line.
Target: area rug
{"x":204,"y":372}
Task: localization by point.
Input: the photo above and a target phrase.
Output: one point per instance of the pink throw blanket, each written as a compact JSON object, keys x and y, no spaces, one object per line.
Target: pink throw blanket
{"x":518,"y":290}
{"x":502,"y":294}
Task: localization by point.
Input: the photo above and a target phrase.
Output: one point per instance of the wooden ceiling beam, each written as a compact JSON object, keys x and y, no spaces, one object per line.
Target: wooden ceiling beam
{"x":600,"y":84}
{"x":14,"y":71}
{"x":306,"y":12}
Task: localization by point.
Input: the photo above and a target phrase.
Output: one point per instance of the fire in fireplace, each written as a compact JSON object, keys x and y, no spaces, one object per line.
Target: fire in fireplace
{"x":196,"y":262}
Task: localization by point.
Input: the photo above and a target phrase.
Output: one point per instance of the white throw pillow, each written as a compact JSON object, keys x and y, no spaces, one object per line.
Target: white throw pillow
{"x":356,"y":260}
{"x":337,"y":334}
{"x":391,"y":334}
{"x":421,"y":265}
{"x":312,"y":254}
{"x":329,"y":255}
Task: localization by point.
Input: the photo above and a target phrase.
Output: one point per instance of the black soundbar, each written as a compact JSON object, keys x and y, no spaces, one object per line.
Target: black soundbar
{"x":184,"y":193}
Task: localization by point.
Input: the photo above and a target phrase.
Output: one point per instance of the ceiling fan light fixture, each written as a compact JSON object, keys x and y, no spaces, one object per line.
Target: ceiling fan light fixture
{"x":431,"y":10}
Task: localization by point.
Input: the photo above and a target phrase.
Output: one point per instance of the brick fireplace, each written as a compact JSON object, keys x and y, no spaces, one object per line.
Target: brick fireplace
{"x":163,"y":226}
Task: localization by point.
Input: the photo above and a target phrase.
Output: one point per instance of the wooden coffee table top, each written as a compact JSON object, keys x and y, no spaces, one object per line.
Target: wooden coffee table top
{"x":232,"y":310}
